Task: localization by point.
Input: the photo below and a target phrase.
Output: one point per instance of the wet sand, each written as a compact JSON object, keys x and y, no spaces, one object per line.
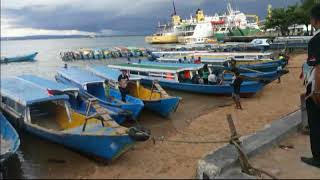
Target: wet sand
{"x":172,"y":160}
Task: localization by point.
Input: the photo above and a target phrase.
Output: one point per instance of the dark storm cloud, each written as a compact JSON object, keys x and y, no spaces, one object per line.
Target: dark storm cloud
{"x":125,"y":17}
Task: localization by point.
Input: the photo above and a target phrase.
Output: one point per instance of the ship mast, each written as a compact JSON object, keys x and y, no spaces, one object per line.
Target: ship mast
{"x":174,"y":9}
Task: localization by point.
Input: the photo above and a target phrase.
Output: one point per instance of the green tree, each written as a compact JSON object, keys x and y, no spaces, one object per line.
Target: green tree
{"x":306,"y":6}
{"x":282,"y":18}
{"x":279,"y":20}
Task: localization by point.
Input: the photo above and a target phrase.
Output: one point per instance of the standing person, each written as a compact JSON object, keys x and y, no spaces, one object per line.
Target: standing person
{"x":313,"y":90}
{"x":205,"y":74}
{"x":123,"y":81}
{"x":237,"y":81}
{"x":129,"y":60}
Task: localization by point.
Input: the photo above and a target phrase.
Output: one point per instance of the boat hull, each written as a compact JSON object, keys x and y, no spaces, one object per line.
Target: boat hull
{"x":263,"y":75}
{"x":164,"y":107}
{"x":106,"y":147}
{"x":165,"y":39}
{"x":10,"y":140}
{"x":247,"y":88}
{"x":135,"y":105}
{"x":29,"y":57}
{"x":264,"y":67}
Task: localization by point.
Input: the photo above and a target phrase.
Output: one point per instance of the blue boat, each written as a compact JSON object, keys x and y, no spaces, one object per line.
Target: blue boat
{"x":170,"y":77}
{"x":158,"y":101}
{"x":47,"y":115}
{"x":29,"y":57}
{"x":93,"y":86}
{"x":262,"y":67}
{"x":9,"y":139}
{"x":77,"y":102}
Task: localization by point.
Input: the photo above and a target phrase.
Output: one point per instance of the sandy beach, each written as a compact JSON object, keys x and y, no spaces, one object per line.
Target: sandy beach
{"x":179,"y":160}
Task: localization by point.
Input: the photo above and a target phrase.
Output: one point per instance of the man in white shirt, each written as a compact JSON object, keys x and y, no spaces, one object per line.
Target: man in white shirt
{"x":212,"y":78}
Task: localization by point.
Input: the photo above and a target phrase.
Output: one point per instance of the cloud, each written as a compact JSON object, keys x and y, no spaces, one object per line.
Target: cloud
{"x":113,"y":16}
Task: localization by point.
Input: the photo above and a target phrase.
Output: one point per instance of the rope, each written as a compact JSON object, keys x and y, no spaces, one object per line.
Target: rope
{"x":188,"y":141}
{"x":251,"y":169}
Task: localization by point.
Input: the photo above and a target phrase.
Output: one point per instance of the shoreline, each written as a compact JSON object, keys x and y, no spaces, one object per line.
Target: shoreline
{"x":170,"y":160}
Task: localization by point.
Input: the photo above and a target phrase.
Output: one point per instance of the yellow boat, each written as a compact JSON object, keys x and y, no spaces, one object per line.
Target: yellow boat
{"x":155,"y":99}
{"x":161,"y":39}
{"x":167,"y":33}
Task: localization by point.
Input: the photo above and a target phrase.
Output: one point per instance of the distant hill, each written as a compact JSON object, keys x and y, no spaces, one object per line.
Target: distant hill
{"x":57,"y":37}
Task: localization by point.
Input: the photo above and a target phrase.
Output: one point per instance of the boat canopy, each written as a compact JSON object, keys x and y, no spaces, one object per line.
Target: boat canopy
{"x":182,"y":65}
{"x":80,"y":76}
{"x":108,"y":73}
{"x":155,"y":67}
{"x":47,"y":84}
{"x":26,"y":93}
{"x":234,"y":54}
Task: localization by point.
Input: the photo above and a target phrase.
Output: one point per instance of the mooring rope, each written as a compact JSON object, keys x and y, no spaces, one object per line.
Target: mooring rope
{"x":154,"y":138}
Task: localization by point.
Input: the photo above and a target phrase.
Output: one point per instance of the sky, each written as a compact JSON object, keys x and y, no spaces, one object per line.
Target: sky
{"x":110,"y":17}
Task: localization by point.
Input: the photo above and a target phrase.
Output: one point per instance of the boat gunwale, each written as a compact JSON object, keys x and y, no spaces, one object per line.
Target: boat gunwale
{"x":160,"y":70}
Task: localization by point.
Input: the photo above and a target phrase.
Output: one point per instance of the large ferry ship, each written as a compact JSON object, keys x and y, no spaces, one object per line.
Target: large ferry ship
{"x":235,"y":23}
{"x":201,"y":28}
{"x":167,"y":33}
{"x":197,"y":29}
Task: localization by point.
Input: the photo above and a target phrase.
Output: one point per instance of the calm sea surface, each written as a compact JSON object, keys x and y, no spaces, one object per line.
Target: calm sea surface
{"x":38,"y":158}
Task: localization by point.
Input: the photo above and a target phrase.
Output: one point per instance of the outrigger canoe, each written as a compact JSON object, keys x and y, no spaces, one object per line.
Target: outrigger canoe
{"x":47,"y":115}
{"x":28,"y":57}
{"x":169,"y":77}
{"x":9,"y":139}
{"x":154,"y":99}
{"x":93,"y":86}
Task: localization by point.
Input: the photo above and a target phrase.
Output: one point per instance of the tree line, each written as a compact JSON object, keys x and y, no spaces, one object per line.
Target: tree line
{"x":282,"y":18}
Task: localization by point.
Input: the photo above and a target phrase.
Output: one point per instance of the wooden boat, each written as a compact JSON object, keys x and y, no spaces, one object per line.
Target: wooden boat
{"x":47,"y":115}
{"x":9,"y":139}
{"x":29,"y":57}
{"x":93,"y":86}
{"x":170,"y":77}
{"x":154,"y":99}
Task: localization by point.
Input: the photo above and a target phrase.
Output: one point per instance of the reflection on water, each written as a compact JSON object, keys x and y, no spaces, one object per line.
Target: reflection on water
{"x":38,"y":158}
